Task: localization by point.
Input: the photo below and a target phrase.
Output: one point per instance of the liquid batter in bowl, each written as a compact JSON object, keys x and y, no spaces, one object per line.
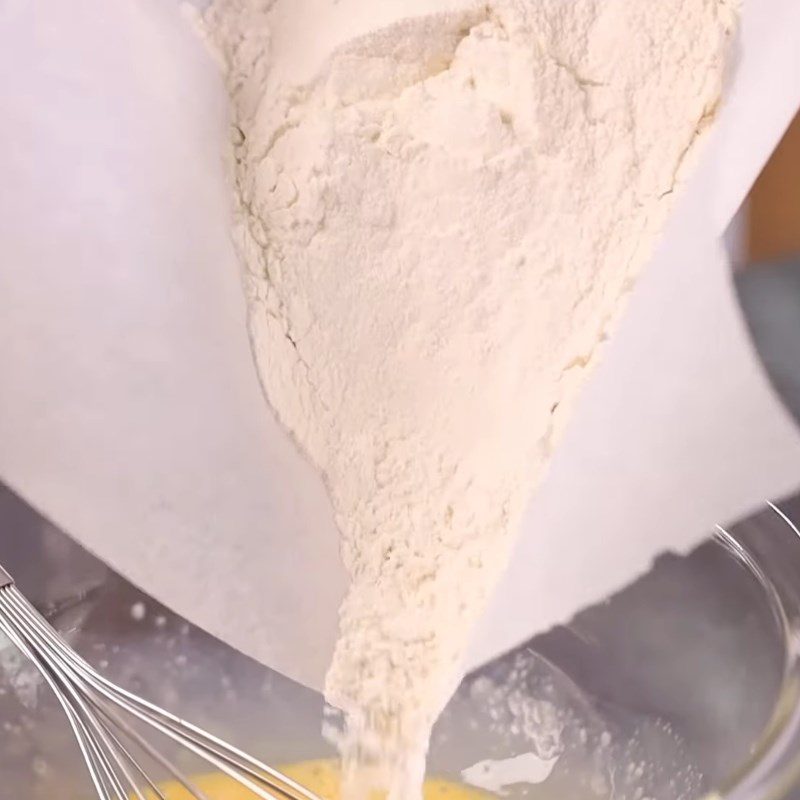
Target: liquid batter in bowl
{"x":323,"y":777}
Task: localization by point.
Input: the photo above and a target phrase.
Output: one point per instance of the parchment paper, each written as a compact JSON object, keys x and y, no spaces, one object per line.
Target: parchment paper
{"x":131,"y":415}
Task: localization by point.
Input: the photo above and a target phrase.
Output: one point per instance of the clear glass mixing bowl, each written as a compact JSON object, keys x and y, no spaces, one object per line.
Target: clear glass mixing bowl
{"x":682,"y":685}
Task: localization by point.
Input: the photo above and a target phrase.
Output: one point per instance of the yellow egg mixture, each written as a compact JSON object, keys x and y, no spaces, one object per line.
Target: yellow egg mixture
{"x":321,"y":777}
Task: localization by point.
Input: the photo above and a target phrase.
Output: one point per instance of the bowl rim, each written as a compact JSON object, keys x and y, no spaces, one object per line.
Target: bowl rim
{"x":772,"y":769}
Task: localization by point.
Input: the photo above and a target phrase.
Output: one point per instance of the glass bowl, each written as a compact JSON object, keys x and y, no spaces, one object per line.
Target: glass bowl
{"x":684,"y":684}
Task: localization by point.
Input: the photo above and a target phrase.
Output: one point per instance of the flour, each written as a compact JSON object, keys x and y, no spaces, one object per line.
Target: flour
{"x":442,"y":206}
{"x":497,"y":775}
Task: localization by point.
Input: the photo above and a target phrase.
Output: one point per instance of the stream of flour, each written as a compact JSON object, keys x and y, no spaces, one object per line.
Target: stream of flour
{"x":442,"y":205}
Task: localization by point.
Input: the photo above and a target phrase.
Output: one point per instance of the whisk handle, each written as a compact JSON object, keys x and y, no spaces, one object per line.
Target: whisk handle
{"x":5,"y":579}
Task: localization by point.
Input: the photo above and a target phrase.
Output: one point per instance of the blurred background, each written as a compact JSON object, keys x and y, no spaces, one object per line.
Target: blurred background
{"x":768,"y":243}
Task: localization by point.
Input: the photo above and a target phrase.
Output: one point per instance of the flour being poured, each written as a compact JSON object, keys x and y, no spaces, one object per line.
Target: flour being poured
{"x":442,"y":205}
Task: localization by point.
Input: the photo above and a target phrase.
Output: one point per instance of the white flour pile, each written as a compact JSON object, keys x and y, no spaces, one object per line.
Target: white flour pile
{"x":442,"y":206}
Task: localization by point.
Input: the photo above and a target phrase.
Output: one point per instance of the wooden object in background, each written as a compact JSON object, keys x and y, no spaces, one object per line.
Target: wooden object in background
{"x":773,"y":228}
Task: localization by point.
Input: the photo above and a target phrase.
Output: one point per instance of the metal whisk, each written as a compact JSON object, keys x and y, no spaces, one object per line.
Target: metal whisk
{"x":112,"y":747}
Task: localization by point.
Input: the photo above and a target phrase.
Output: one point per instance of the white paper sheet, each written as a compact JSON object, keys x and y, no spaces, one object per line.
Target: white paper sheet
{"x":130,"y":412}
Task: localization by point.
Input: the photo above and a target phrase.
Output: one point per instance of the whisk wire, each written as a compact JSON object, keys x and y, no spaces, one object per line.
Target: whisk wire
{"x":81,"y":675}
{"x":151,"y":751}
{"x":219,"y":754}
{"x":89,"y":701}
{"x":127,"y":757}
{"x":101,"y":760}
{"x":75,"y":722}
